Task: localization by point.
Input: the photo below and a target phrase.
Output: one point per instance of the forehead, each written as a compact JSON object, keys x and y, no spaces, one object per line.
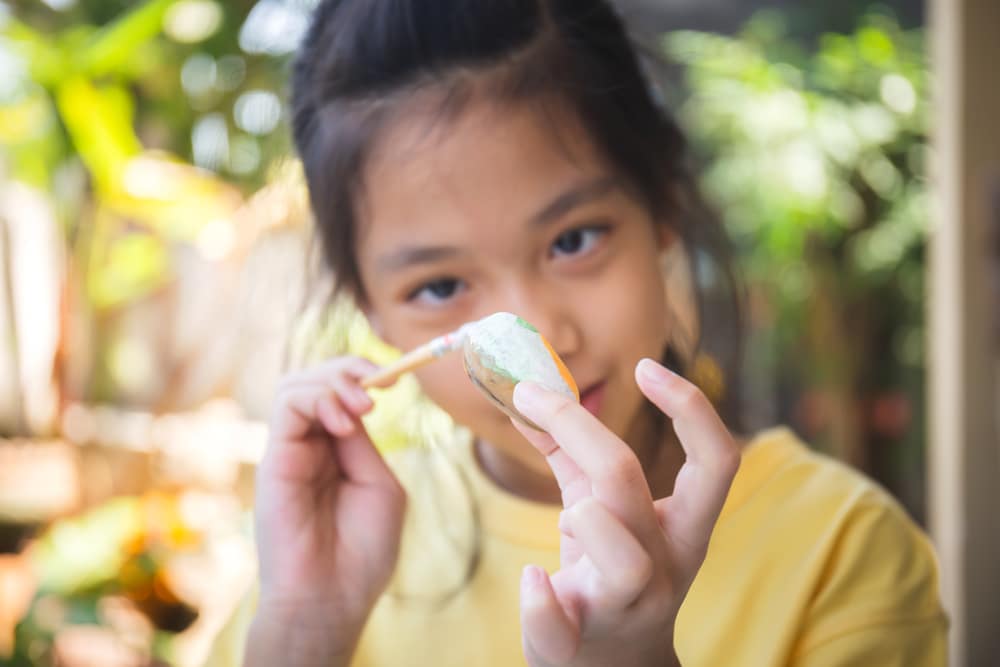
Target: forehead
{"x":480,"y":171}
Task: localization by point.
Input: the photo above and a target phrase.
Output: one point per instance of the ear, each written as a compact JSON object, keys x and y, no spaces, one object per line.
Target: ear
{"x":666,"y":237}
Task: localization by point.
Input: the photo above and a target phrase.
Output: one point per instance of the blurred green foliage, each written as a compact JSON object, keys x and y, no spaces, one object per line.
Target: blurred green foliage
{"x":141,"y":118}
{"x":147,"y":121}
{"x":817,"y":159}
{"x":103,"y":79}
{"x":91,"y":564}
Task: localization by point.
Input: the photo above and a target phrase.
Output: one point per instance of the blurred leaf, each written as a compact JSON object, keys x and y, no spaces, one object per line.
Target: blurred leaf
{"x":114,"y":47}
{"x":81,"y":552}
{"x":173,"y":199}
{"x":43,"y":55}
{"x":125,"y":265}
{"x":99,"y":121}
{"x":875,"y":46}
{"x":25,"y":119}
{"x":30,"y":138}
{"x":816,"y":161}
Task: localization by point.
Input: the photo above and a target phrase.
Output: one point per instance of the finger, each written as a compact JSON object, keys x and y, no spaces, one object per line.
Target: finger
{"x":357,"y":456}
{"x":334,"y":418}
{"x":570,"y":551}
{"x":616,"y":477}
{"x":548,"y":634}
{"x":624,"y":565}
{"x":712,"y":456}
{"x":573,"y":483}
{"x":296,"y":413}
{"x":299,"y":447}
{"x":360,"y":368}
{"x":301,"y":408}
{"x":361,"y":462}
{"x":352,"y":395}
{"x":350,"y":370}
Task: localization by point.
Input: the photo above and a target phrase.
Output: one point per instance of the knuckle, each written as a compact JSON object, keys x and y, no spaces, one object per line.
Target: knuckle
{"x":283,"y":395}
{"x":337,"y":367}
{"x":695,"y":551}
{"x":287,"y":381}
{"x":623,"y":468}
{"x":689,"y":396}
{"x":634,"y":578}
{"x":561,"y":409}
{"x":730,"y":462}
{"x":357,"y":365}
{"x":582,"y":509}
{"x":726,"y":459}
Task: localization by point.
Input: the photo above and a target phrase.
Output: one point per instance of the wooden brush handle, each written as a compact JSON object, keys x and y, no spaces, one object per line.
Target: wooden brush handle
{"x":416,"y":358}
{"x":411,"y":361}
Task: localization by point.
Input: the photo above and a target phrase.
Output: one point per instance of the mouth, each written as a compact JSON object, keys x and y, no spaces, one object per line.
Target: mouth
{"x":592,"y":398}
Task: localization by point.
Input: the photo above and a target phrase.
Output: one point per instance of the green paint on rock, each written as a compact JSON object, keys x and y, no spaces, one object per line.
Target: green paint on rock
{"x":491,"y":362}
{"x":526,"y":325}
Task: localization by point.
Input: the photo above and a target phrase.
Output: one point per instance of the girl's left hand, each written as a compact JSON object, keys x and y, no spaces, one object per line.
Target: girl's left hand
{"x":627,"y":560}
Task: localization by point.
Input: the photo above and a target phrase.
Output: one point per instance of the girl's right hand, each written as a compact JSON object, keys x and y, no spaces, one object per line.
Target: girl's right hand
{"x":329,"y":514}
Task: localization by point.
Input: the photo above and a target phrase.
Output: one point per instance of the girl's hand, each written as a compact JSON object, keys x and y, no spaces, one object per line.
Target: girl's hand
{"x":627,"y":560}
{"x":328,"y":520}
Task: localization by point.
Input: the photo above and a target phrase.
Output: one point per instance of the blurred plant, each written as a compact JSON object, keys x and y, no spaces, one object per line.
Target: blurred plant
{"x":197,"y":78}
{"x":94,"y":102}
{"x":107,"y":570}
{"x":817,"y":159}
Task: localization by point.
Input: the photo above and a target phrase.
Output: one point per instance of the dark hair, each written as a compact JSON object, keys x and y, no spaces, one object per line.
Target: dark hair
{"x":361,"y":60}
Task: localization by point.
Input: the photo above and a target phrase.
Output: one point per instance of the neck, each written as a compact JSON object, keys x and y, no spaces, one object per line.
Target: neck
{"x":523,"y":479}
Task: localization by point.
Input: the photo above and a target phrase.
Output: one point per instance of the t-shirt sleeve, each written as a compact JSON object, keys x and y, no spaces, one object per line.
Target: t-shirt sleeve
{"x":911,"y":644}
{"x":878,"y":602}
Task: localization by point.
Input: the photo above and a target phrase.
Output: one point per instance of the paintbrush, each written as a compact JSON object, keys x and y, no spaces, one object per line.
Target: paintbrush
{"x":499,"y":351}
{"x":417,"y":357}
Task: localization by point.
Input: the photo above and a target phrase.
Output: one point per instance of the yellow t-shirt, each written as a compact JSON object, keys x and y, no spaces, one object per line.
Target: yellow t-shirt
{"x":810,"y":564}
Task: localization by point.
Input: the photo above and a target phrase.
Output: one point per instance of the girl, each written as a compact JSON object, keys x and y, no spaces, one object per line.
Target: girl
{"x":470,"y":157}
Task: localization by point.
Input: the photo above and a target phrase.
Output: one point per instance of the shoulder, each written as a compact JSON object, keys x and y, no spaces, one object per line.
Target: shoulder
{"x":781,"y":475}
{"x":865,"y":561}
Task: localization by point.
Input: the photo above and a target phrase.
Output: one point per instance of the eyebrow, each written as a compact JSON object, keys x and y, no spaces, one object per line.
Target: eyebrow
{"x":412,"y":255}
{"x":576,"y":196}
{"x":564,"y":203}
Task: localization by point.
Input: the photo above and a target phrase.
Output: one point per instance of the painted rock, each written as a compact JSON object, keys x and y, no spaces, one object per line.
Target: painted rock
{"x":502,"y":350}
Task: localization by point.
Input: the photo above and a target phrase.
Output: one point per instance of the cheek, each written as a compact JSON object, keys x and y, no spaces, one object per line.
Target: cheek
{"x":636,"y":305}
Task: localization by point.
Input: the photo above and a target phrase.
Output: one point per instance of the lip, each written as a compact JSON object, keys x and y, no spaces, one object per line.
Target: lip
{"x":592,"y":398}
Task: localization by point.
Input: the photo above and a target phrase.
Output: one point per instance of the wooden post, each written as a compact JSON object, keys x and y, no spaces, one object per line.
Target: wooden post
{"x":964,"y":452}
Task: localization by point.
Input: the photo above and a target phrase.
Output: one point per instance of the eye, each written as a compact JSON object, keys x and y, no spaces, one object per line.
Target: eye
{"x":578,"y":241}
{"x":436,"y":291}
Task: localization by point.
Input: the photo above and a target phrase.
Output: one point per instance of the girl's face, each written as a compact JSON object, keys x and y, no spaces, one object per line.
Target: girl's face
{"x":504,"y":209}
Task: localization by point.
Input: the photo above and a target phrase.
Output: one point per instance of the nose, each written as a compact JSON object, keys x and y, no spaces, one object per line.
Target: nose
{"x":550,"y":311}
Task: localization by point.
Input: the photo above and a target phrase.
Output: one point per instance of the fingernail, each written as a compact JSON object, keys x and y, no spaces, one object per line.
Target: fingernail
{"x":361,"y":400}
{"x":654,"y":373}
{"x":527,"y":394}
{"x":531,"y":577}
